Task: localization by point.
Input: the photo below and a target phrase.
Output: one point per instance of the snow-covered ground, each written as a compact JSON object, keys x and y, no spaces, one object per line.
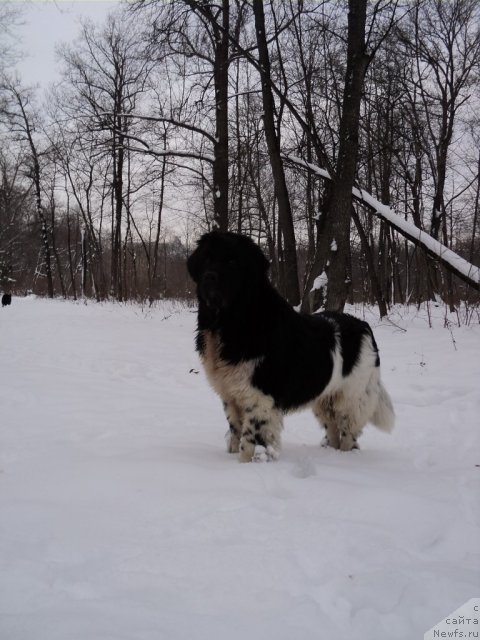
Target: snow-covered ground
{"x":122,"y":516}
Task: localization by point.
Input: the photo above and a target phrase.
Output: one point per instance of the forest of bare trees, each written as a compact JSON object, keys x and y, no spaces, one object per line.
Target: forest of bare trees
{"x":265,"y":117}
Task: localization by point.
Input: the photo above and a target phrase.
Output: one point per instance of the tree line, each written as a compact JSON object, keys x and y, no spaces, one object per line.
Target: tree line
{"x":180,"y":116}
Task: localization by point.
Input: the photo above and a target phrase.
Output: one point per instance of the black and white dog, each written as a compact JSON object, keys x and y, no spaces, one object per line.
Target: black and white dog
{"x":264,"y":359}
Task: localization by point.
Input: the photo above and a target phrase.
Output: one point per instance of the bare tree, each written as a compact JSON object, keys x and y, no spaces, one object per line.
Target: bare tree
{"x":107,"y":74}
{"x":15,"y":207}
{"x":443,"y":41}
{"x":23,"y":121}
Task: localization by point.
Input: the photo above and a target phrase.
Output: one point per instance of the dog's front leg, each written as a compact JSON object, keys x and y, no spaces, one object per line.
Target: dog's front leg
{"x":234,"y":419}
{"x":261,"y":425}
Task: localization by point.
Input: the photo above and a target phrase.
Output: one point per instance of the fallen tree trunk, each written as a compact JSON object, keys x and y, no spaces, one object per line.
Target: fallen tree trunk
{"x":464,"y":270}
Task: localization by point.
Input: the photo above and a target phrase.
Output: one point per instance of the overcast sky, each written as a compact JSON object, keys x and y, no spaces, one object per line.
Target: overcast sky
{"x":46,"y":24}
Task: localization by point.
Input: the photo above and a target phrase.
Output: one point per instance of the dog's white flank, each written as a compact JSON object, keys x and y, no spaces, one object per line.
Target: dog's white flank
{"x":348,"y":403}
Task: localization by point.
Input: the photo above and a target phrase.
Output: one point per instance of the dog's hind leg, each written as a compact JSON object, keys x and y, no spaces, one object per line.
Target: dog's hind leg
{"x":262,"y":425}
{"x":349,"y":434}
{"x":332,"y":436}
{"x":323,"y":410}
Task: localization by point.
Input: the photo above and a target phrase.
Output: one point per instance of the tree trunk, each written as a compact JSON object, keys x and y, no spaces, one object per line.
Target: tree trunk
{"x":375,"y":283}
{"x":154,"y":290}
{"x":117,"y":213}
{"x":220,"y":165}
{"x":340,"y":205}
{"x":285,"y":218}
{"x":47,"y":255}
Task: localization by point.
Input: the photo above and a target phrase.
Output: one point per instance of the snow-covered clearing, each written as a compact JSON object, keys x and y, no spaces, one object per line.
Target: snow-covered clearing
{"x":122,"y":516}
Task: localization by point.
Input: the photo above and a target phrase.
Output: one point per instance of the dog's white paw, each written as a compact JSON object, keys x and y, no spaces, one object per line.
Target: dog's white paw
{"x":265,"y":454}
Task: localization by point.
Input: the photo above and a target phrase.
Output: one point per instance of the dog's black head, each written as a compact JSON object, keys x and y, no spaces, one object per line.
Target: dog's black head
{"x":224,"y":266}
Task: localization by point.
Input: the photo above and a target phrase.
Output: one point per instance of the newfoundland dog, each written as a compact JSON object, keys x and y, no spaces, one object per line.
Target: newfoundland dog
{"x":264,"y":359}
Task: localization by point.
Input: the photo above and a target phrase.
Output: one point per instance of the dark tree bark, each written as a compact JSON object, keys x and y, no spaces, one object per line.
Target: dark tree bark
{"x":36,"y":177}
{"x":285,"y":218}
{"x":340,"y":205}
{"x":153,"y":273}
{"x":117,"y":213}
{"x":219,"y":21}
{"x":367,"y":251}
{"x":220,"y":167}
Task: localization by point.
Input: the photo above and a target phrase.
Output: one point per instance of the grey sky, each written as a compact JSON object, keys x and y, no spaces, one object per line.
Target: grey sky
{"x":46,"y":24}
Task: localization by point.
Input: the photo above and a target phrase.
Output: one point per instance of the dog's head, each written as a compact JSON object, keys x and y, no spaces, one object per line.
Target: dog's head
{"x":224,"y":266}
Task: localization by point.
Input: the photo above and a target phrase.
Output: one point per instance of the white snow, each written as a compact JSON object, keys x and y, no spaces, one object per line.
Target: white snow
{"x":320,"y":282}
{"x":122,"y":516}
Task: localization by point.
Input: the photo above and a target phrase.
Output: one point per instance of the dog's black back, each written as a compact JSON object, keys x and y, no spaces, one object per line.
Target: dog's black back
{"x":6,"y":299}
{"x":253,"y":321}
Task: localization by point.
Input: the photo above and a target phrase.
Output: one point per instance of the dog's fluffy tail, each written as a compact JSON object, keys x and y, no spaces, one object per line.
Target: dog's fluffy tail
{"x":384,"y":415}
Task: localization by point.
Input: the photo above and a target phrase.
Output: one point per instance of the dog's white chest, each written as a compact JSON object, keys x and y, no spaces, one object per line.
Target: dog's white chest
{"x":228,"y":380}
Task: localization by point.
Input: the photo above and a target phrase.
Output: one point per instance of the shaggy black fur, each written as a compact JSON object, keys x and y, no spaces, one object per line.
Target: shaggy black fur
{"x":6,"y":299}
{"x":237,"y":301}
{"x":246,"y":320}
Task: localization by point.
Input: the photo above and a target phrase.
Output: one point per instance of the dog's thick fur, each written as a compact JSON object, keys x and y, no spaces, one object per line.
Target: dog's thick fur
{"x":264,"y":359}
